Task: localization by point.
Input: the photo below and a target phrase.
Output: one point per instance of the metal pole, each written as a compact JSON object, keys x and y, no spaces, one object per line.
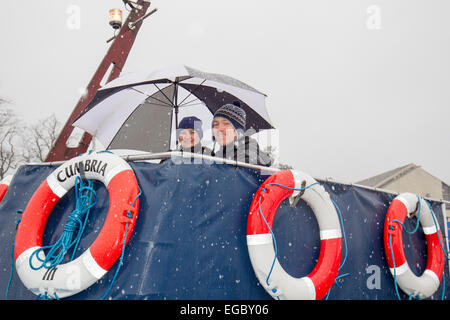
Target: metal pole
{"x":116,"y":56}
{"x":175,"y":104}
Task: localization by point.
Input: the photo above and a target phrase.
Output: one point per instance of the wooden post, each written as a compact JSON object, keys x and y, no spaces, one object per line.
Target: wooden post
{"x":116,"y":56}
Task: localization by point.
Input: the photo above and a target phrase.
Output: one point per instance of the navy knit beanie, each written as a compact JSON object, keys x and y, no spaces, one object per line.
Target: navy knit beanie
{"x":233,"y":113}
{"x":191,"y":123}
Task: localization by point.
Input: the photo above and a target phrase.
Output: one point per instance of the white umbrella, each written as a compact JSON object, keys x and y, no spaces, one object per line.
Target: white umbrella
{"x":141,"y":111}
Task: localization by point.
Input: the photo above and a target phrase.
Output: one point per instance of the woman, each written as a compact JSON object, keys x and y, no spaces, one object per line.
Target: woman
{"x":189,"y":135}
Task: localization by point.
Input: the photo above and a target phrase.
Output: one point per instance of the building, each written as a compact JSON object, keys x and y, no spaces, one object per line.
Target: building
{"x":411,"y":178}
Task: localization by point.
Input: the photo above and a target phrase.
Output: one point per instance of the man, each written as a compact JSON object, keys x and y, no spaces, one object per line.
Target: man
{"x":228,"y":128}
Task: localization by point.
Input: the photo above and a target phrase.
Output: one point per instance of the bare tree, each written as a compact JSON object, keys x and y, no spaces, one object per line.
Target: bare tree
{"x":9,"y":155}
{"x":40,"y":138}
{"x":22,"y":143}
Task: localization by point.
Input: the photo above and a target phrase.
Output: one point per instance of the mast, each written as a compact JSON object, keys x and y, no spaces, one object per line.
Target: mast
{"x":115,"y":58}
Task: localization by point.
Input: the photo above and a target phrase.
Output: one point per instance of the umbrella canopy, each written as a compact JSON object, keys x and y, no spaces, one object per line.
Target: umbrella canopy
{"x":141,"y":111}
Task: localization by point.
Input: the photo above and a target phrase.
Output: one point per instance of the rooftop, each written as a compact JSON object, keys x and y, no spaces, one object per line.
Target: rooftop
{"x":382,"y":179}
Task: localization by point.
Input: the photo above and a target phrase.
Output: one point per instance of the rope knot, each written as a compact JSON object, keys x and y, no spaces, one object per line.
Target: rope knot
{"x":86,"y":198}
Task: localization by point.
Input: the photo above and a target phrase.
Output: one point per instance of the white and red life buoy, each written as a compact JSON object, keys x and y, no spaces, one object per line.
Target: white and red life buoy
{"x":77,"y":275}
{"x":269,"y":196}
{"x":4,"y":185}
{"x":407,"y":204}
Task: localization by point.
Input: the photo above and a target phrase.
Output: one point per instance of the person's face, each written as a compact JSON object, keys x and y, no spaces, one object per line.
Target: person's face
{"x":188,"y":138}
{"x":223,"y":131}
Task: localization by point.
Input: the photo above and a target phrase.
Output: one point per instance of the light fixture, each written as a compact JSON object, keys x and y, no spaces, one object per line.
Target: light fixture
{"x":115,"y":18}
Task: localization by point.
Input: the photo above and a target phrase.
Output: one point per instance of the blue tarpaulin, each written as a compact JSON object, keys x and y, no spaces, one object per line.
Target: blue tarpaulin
{"x":189,"y":241}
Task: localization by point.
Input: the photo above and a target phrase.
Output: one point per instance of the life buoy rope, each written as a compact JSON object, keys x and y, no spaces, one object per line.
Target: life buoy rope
{"x":408,"y":204}
{"x":67,"y":279}
{"x":260,"y":237}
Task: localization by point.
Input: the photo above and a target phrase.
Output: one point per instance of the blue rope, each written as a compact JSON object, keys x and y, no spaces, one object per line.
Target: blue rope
{"x":84,"y":195}
{"x":77,"y":220}
{"x":119,"y":265}
{"x":274,"y":243}
{"x":346,"y":250}
{"x":442,"y":247}
{"x":11,"y":265}
{"x":417,"y":221}
{"x":273,"y":236}
{"x":392,"y":251}
{"x":412,"y":295}
{"x":129,"y":215}
{"x":46,"y":296}
{"x":393,"y":262}
{"x":343,"y":235}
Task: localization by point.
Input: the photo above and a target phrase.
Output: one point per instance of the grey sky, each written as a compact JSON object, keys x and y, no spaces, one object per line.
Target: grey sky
{"x":355,"y":88}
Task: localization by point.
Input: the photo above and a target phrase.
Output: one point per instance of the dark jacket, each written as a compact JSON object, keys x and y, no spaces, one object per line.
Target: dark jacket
{"x":198,"y":148}
{"x":245,"y":149}
{"x":195,"y":149}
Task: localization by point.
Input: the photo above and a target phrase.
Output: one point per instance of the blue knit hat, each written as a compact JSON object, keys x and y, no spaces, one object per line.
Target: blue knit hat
{"x":233,"y":113}
{"x":191,"y":123}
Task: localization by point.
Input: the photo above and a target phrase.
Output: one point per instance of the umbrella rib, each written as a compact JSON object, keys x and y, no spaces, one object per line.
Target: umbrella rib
{"x":190,"y":103}
{"x":183,"y":104}
{"x":170,"y":101}
{"x":192,"y":92}
{"x":161,"y":105}
{"x":164,"y":104}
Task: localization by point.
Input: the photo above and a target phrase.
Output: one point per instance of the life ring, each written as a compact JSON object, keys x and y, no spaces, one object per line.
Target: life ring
{"x":77,"y":275}
{"x":269,"y":196}
{"x":407,"y":204}
{"x":4,"y":185}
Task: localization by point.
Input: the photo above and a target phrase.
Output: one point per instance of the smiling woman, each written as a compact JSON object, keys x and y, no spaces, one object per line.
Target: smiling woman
{"x":190,"y":134}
